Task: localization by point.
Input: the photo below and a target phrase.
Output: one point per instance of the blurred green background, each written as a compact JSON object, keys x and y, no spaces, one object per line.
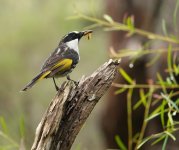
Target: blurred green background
{"x":29,"y":31}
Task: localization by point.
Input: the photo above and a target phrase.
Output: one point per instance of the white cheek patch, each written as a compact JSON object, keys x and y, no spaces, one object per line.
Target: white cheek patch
{"x":73,"y":45}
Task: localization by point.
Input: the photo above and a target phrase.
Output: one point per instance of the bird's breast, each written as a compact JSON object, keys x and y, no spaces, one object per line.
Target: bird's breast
{"x":72,"y":54}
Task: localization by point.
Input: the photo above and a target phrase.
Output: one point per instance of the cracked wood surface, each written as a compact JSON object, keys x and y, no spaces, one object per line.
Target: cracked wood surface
{"x":71,"y":107}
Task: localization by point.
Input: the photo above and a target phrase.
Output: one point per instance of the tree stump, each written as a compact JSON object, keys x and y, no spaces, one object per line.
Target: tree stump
{"x":71,"y":107}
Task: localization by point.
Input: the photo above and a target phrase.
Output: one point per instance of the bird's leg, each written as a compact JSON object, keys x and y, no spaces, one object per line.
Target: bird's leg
{"x":68,"y":78}
{"x":57,"y":88}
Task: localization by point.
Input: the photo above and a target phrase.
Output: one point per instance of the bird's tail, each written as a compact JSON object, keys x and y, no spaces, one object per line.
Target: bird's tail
{"x":35,"y":80}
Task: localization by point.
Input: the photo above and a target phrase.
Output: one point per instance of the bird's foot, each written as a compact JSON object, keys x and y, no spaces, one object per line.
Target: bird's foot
{"x":75,"y":82}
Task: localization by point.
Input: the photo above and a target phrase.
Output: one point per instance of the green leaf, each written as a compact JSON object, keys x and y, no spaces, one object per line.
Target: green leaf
{"x":143,"y":97}
{"x":164,"y":27}
{"x":8,"y":139}
{"x":130,"y":22}
{"x":142,"y":100}
{"x":175,"y":14}
{"x":8,"y":147}
{"x":165,"y":143}
{"x":169,"y":82}
{"x":3,"y":125}
{"x":126,"y":76}
{"x":120,"y":143}
{"x":176,"y":69}
{"x":162,"y":113}
{"x":130,"y":25}
{"x":157,"y":112}
{"x":171,"y":135}
{"x":144,"y":141}
{"x":169,"y":62}
{"x":174,"y":37}
{"x":161,"y":137}
{"x":137,"y":105}
{"x":170,"y":120}
{"x":173,"y":104}
{"x":119,"y":91}
{"x":129,"y":116}
{"x":153,"y":60}
{"x":169,"y":58}
{"x":161,"y":82}
{"x":152,"y":116}
{"x":22,"y":127}
{"x":108,"y":18}
{"x":78,"y":147}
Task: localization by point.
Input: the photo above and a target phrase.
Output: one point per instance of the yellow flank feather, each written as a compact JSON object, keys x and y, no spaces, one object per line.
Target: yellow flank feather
{"x":44,"y":75}
{"x":64,"y":64}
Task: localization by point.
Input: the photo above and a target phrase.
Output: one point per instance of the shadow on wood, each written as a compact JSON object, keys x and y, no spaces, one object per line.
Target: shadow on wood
{"x":71,"y":107}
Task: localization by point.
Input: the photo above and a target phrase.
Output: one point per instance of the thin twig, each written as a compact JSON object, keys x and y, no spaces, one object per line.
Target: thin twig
{"x":123,"y":27}
{"x":144,"y":125}
{"x":140,"y":52}
{"x":129,"y":118}
{"x":144,"y":86}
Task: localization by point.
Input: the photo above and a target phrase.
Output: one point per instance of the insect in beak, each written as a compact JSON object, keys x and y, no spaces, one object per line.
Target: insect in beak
{"x":88,"y":33}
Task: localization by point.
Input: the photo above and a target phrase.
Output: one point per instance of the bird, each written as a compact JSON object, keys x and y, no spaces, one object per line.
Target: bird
{"x":62,"y":60}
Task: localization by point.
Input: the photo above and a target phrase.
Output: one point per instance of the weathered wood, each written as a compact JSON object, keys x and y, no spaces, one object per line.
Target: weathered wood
{"x":71,"y":107}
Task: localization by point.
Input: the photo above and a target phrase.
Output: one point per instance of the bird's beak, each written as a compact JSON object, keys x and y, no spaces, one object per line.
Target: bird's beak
{"x":87,"y":33}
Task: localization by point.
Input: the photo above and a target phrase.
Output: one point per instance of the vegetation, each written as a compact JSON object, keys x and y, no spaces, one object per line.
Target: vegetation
{"x":165,"y":103}
{"x":20,"y":60}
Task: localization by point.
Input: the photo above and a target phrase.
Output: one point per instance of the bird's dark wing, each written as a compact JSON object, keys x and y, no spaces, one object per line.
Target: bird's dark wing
{"x":54,"y":58}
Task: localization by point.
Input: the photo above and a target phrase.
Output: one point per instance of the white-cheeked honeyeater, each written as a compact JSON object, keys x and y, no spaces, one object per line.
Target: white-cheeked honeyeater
{"x":62,"y":60}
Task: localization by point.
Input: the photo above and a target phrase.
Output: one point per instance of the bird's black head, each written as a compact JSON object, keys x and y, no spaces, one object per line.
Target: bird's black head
{"x":75,"y":35}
